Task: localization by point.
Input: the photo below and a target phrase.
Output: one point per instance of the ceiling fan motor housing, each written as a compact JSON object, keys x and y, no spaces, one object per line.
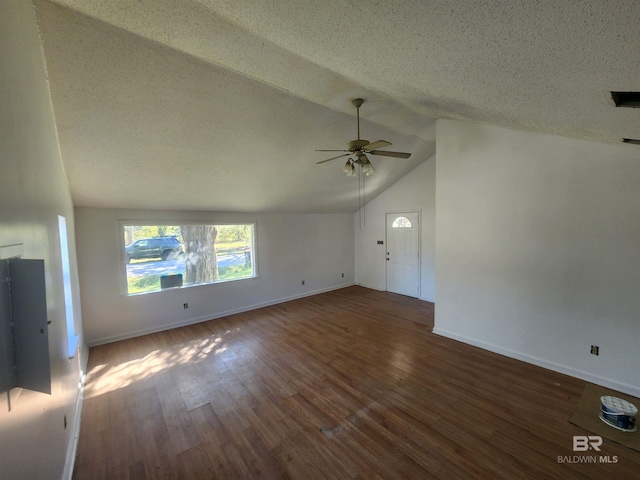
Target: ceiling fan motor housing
{"x":356,"y":145}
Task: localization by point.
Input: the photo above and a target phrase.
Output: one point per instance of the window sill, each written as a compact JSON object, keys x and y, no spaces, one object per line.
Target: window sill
{"x":209,"y":284}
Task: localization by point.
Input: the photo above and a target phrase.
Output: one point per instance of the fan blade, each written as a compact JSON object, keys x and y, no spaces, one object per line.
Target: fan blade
{"x":376,"y":145}
{"x":333,"y":158}
{"x":333,"y":150}
{"x":390,"y":154}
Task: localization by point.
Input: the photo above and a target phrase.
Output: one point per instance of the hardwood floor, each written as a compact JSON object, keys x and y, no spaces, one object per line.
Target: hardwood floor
{"x":349,"y":384}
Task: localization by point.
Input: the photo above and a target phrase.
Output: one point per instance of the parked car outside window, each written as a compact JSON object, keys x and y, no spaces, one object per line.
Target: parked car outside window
{"x":165,"y":248}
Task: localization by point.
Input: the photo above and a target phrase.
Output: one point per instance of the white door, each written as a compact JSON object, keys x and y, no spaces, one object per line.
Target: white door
{"x":403,"y":253}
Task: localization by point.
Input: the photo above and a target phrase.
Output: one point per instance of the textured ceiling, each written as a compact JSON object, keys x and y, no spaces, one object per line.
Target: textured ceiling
{"x":219,"y":105}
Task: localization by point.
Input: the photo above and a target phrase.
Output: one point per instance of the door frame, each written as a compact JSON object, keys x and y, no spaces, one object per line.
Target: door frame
{"x":417,"y":211}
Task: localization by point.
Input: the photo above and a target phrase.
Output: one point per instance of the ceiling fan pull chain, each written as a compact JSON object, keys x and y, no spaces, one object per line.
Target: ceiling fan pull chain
{"x":360,"y":196}
{"x":364,"y":199}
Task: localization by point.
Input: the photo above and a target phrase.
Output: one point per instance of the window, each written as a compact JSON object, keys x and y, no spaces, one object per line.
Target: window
{"x":72,"y":338}
{"x":167,"y":256}
{"x":401,"y":222}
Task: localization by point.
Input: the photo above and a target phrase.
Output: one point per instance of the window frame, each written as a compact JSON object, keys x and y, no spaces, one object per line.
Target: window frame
{"x":124,"y":287}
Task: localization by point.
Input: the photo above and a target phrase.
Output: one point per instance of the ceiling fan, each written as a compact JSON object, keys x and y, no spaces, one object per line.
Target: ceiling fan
{"x":359,"y":148}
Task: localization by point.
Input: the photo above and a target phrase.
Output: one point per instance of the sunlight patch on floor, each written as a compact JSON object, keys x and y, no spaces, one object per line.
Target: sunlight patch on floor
{"x":106,"y":378}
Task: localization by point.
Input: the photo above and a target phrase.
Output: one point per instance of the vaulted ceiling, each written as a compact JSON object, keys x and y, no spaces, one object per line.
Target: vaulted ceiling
{"x":221,"y":104}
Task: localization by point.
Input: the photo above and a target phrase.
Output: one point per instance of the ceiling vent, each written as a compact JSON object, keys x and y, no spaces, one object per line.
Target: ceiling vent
{"x":632,"y":141}
{"x":626,"y":99}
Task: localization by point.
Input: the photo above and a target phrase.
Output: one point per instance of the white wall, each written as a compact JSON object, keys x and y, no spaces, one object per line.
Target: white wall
{"x":316,"y":248}
{"x":414,"y":192}
{"x":537,"y":241}
{"x":34,"y":443}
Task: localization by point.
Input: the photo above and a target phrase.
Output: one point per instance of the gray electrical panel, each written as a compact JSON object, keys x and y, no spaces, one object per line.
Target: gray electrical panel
{"x":7,"y":355}
{"x":24,"y":333}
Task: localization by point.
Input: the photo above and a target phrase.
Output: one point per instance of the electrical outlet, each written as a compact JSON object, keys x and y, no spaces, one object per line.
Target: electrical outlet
{"x":303,"y":282}
{"x":343,"y":275}
{"x":65,"y":422}
{"x":595,"y":350}
{"x":185,"y":306}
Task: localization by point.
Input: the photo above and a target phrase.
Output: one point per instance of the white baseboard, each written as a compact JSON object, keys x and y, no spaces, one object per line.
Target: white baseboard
{"x":384,"y":289}
{"x":572,"y":372}
{"x":372,"y":287}
{"x":83,"y":358}
{"x":212,"y":316}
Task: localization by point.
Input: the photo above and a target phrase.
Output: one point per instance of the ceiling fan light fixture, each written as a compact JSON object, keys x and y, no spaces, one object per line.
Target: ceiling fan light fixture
{"x":367,"y":168}
{"x":349,"y":169}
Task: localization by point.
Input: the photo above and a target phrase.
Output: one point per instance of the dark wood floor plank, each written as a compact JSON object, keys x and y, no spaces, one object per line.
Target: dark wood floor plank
{"x":261,"y":460}
{"x":182,"y":432}
{"x":266,"y":426}
{"x":349,"y":384}
{"x":234,"y":458}
{"x":194,"y":464}
{"x":137,"y":471}
{"x":208,"y":425}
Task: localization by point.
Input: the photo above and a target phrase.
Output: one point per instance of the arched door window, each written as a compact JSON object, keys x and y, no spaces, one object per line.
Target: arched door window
{"x":401,"y":222}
